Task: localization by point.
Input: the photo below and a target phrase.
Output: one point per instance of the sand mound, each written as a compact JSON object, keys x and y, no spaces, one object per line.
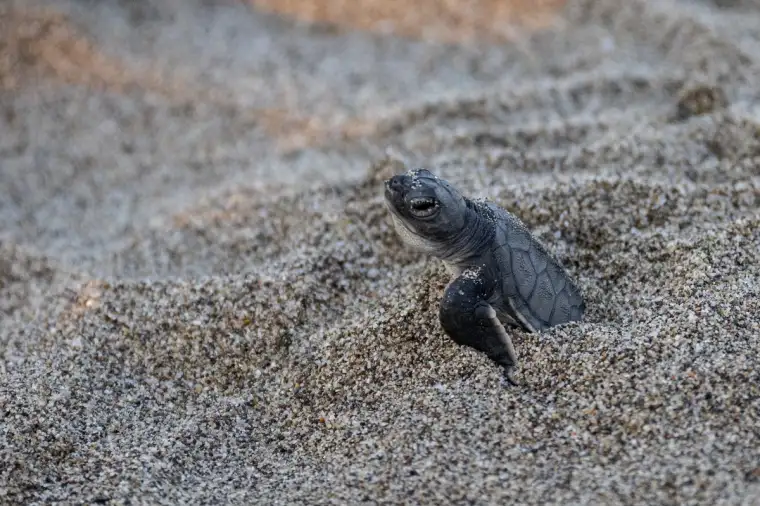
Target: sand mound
{"x":202,"y":299}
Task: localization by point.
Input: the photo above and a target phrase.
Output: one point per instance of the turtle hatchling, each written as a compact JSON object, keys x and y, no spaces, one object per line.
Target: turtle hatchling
{"x":503,"y":277}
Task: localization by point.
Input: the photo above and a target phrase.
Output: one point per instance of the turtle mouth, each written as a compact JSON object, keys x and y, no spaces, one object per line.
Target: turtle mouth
{"x":406,"y":206}
{"x":423,"y":204}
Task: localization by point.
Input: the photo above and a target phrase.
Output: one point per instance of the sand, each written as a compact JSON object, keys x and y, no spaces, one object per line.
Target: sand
{"x":202,"y":300}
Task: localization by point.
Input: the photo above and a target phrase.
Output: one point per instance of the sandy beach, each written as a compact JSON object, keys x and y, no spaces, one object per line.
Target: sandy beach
{"x":203,"y":301}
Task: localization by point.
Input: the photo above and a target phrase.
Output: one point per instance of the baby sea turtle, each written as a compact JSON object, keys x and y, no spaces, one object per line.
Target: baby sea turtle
{"x":502,"y":275}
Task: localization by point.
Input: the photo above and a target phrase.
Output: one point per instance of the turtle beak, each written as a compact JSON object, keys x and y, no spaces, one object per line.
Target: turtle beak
{"x":395,"y":190}
{"x":394,"y":187}
{"x":388,"y":191}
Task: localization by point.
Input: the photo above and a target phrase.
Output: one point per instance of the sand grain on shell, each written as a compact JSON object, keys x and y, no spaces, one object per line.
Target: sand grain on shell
{"x":203,"y":300}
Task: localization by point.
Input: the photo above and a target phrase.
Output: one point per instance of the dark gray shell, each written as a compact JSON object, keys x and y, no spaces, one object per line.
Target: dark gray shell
{"x":536,"y":289}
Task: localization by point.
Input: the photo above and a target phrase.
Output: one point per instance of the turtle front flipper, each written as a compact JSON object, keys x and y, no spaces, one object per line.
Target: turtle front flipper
{"x":468,"y":318}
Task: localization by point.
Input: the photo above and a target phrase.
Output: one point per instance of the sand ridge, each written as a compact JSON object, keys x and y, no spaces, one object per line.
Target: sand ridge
{"x":479,"y":20}
{"x":202,"y":298}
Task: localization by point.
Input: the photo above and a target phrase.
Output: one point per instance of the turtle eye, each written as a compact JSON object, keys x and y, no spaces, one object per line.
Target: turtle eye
{"x":423,"y":206}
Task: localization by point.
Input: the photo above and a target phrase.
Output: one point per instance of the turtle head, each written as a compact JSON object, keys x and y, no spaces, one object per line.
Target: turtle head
{"x":428,"y":212}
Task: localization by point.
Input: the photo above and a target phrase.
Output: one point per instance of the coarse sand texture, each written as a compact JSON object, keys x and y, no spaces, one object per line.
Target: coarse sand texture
{"x":203,"y":300}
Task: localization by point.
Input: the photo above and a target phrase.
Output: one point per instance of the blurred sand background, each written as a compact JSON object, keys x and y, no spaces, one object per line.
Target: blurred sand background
{"x":201,"y":299}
